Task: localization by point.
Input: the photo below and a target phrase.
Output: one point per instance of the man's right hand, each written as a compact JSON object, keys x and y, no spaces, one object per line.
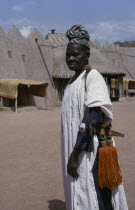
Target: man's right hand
{"x":72,"y":165}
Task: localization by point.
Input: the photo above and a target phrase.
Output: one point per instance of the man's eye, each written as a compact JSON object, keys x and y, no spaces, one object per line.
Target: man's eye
{"x":76,"y":54}
{"x":73,"y":55}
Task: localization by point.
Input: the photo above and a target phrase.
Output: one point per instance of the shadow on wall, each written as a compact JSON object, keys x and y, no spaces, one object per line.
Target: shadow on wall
{"x":56,"y":205}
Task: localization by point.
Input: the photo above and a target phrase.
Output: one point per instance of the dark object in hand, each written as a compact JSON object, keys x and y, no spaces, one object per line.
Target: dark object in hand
{"x":116,"y":133}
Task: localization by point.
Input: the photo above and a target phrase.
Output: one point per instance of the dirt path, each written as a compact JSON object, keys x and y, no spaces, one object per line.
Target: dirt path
{"x":30,"y":165}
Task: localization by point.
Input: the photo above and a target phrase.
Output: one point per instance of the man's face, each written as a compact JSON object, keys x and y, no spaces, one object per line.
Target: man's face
{"x":76,"y":57}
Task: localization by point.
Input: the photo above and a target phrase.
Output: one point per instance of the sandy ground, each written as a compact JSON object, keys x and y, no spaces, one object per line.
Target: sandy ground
{"x":30,"y":164}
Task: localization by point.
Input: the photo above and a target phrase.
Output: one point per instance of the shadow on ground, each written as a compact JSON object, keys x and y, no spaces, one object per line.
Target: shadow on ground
{"x":56,"y":205}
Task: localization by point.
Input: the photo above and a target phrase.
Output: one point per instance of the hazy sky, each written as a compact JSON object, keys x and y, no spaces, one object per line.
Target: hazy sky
{"x":106,"y":20}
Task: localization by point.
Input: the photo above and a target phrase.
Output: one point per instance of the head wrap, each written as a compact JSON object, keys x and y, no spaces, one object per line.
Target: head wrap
{"x":79,"y":35}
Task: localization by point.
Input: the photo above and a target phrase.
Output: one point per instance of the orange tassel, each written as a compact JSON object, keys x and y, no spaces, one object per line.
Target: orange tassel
{"x":109,"y":173}
{"x":114,"y":177}
{"x":117,"y":166}
{"x":102,"y":175}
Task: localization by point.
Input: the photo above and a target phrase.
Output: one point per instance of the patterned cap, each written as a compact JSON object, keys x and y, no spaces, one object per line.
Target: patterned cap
{"x":79,"y":35}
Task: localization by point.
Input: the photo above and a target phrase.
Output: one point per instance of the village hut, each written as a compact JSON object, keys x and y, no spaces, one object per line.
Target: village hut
{"x":27,"y":59}
{"x":9,"y":89}
{"x":112,"y":74}
{"x":124,"y":59}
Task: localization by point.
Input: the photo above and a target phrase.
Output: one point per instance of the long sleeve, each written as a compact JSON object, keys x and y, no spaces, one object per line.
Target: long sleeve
{"x":84,"y":140}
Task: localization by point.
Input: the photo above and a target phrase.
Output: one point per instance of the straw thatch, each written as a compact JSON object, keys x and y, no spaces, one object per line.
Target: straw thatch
{"x":102,"y":64}
{"x":128,"y":58}
{"x":9,"y":87}
{"x":129,"y":84}
{"x":59,"y":45}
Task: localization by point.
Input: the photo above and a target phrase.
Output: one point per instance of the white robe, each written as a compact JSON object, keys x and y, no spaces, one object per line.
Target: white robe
{"x":80,"y":194}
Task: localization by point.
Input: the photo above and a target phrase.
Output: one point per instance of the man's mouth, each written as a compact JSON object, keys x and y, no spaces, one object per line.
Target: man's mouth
{"x":71,"y":64}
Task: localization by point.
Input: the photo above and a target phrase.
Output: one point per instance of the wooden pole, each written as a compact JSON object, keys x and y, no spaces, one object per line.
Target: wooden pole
{"x":46,"y":105}
{"x":1,"y":103}
{"x":16,"y":105}
{"x":121,"y":89}
{"x":109,"y":85}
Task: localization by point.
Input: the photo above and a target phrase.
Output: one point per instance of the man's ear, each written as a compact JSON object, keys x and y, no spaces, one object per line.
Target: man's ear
{"x":88,"y":54}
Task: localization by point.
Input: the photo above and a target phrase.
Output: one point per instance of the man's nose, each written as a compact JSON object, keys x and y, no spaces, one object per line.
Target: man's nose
{"x":71,"y":58}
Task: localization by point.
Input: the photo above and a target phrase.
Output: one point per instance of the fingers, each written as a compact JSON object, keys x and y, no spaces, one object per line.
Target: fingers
{"x":72,"y":172}
{"x":76,"y":175}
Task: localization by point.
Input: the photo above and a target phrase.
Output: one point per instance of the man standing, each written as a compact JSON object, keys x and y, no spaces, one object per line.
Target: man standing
{"x":85,"y":103}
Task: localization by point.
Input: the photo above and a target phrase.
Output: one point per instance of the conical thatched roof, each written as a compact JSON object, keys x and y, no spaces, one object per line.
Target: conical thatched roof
{"x":121,"y":60}
{"x":15,"y":34}
{"x":102,"y":64}
{"x":128,"y":58}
